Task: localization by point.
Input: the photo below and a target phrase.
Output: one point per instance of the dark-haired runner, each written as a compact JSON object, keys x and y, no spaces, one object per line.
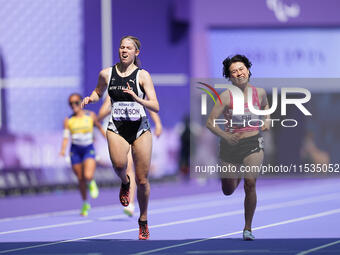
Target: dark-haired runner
{"x":240,"y":142}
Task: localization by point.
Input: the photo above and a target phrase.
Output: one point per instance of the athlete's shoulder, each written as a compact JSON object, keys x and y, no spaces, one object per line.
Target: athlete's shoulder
{"x":144,"y":76}
{"x":70,"y":117}
{"x":260,"y":91}
{"x":91,"y":114}
{"x":225,"y":97}
{"x":144,"y":73}
{"x":262,"y":96}
{"x":105,"y":73}
{"x":66,"y":123}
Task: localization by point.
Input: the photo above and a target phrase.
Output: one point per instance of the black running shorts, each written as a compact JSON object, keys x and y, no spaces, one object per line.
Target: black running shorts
{"x":235,"y":154}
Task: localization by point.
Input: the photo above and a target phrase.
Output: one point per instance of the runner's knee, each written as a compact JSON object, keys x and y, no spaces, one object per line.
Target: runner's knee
{"x":142,"y":181}
{"x":249,"y":185}
{"x":227,"y":190}
{"x":119,"y":166}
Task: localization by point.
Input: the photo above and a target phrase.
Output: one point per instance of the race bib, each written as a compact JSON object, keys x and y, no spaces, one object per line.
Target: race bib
{"x":261,"y":142}
{"x":131,"y":111}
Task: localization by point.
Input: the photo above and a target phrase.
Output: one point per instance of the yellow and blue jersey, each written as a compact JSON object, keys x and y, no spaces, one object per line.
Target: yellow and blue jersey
{"x":81,"y":129}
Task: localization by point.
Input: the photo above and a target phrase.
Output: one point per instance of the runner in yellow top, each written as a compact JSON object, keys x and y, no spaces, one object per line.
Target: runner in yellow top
{"x":80,"y":127}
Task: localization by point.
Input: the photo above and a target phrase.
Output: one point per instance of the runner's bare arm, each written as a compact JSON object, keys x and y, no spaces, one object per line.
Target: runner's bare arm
{"x":99,"y":90}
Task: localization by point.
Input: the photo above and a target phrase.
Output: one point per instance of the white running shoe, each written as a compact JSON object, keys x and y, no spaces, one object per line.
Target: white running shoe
{"x":129,"y":210}
{"x":248,"y":236}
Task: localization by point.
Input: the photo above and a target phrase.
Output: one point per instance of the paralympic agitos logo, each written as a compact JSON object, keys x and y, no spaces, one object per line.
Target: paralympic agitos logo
{"x":238,"y":104}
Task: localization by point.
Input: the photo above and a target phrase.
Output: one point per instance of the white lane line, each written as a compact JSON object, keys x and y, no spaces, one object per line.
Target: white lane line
{"x":186,"y":207}
{"x":182,"y":208}
{"x":197,"y":197}
{"x":59,"y":213}
{"x":260,"y":251}
{"x":66,"y":224}
{"x":318,"y":248}
{"x":46,"y":227}
{"x":123,"y":216}
{"x":68,"y":241}
{"x":309,"y":217}
{"x":209,"y":217}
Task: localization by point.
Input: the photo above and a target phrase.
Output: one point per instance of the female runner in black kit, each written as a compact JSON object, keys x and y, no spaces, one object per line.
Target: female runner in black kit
{"x":127,"y":86}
